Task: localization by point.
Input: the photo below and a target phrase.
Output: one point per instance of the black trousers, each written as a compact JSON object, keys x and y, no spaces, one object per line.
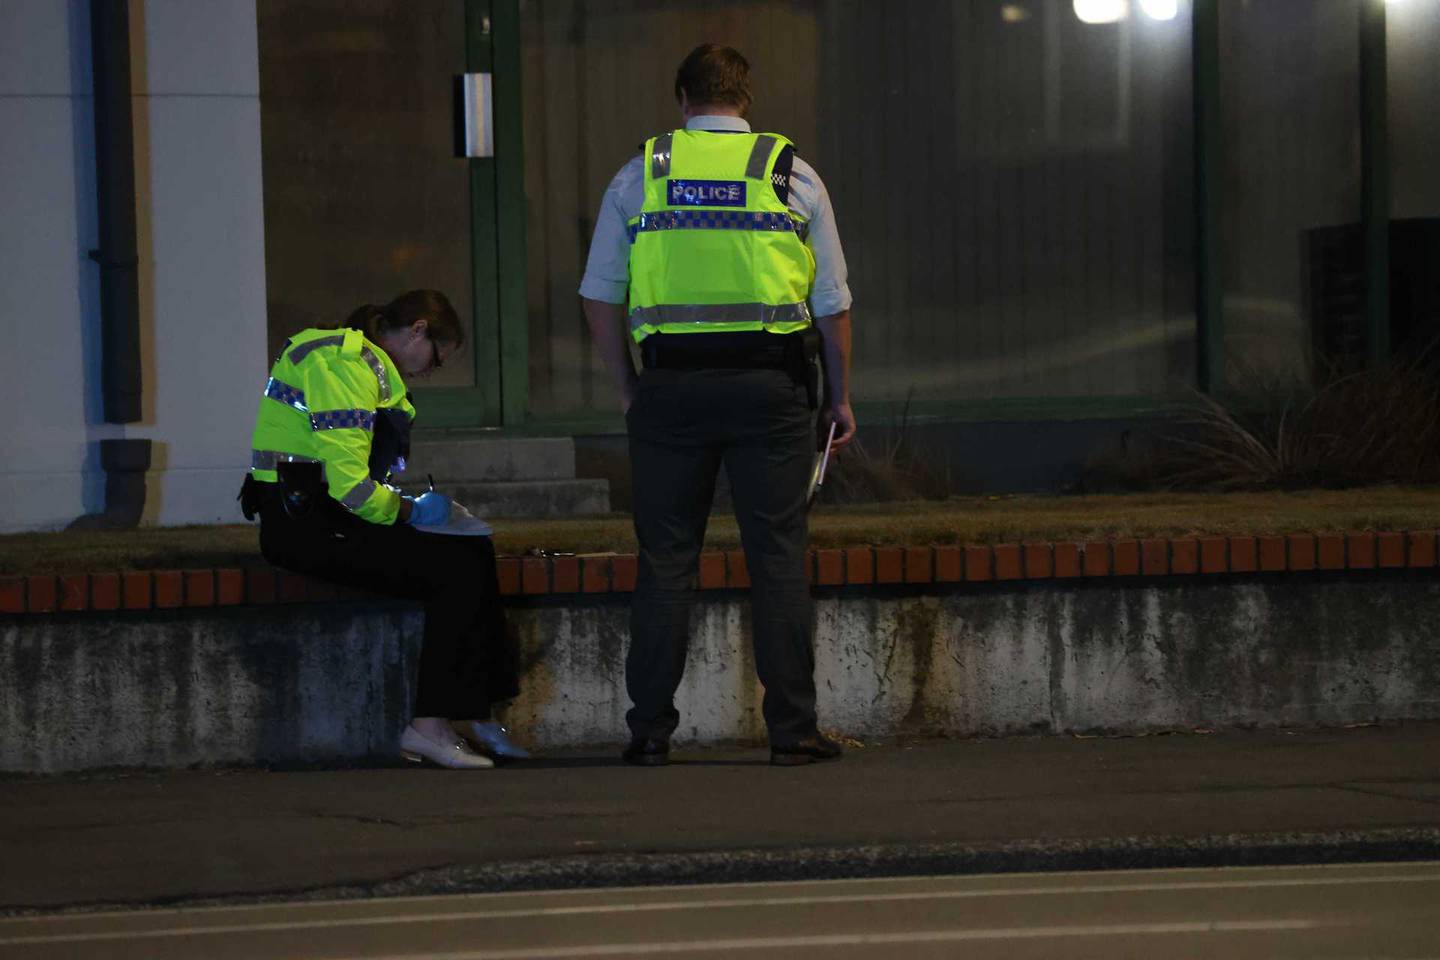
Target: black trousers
{"x":467,"y":660}
{"x":682,"y":426}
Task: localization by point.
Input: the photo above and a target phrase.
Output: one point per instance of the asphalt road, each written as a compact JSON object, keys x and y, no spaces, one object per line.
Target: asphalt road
{"x":1355,"y":910}
{"x":723,"y":815}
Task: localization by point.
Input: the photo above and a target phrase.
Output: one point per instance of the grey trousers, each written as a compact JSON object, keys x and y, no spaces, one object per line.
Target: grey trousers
{"x":683,"y":425}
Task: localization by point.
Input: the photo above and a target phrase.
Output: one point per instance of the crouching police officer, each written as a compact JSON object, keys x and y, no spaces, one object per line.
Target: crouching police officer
{"x":725,"y":245}
{"x":334,"y":421}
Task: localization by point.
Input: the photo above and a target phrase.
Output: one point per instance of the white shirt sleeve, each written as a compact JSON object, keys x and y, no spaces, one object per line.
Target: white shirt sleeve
{"x":809,"y":198}
{"x":607,"y":269}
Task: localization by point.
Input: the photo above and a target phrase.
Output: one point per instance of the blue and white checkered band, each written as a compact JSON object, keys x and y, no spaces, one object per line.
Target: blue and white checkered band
{"x":343,"y":419}
{"x":711,"y":220}
{"x":705,"y":193}
{"x":286,"y":394}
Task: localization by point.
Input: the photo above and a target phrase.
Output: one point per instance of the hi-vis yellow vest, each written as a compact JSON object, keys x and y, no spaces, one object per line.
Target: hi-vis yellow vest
{"x":320,"y":406}
{"x":713,"y":248}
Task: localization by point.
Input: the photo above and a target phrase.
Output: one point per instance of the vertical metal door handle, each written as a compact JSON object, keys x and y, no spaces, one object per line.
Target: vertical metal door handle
{"x":477,"y":118}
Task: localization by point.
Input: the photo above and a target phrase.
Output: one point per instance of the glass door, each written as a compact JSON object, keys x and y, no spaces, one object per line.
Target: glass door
{"x":367,"y":193}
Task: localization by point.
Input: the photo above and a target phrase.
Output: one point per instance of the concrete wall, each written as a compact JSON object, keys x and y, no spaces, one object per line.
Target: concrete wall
{"x":202,"y":284}
{"x":329,"y":684}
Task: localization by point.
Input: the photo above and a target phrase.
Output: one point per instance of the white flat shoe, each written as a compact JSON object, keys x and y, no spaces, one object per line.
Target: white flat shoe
{"x":454,"y":755}
{"x":490,"y":738}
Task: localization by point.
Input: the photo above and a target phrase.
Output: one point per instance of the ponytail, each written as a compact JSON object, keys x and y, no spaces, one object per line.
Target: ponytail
{"x":366,"y":318}
{"x":432,"y":306}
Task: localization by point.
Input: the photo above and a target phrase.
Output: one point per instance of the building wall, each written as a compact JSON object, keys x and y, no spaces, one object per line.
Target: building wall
{"x":201,"y":239}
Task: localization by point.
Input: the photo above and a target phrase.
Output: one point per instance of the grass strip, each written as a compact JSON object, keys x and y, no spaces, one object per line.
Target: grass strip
{"x":959,"y":520}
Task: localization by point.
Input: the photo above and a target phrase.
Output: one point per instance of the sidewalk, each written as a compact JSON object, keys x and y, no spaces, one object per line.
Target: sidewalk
{"x":724,"y":814}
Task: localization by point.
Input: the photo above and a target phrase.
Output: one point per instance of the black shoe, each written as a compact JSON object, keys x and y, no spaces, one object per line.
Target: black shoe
{"x":647,"y":753}
{"x":809,"y":750}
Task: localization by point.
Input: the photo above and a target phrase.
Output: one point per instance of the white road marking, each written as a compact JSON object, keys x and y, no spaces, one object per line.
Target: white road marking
{"x":678,"y":905}
{"x":862,"y":939}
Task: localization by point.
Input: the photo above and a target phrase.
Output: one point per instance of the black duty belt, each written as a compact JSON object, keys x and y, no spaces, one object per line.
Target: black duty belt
{"x":744,"y":350}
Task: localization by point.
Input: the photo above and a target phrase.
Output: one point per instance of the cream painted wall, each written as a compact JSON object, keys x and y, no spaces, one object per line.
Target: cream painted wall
{"x":198,"y":182}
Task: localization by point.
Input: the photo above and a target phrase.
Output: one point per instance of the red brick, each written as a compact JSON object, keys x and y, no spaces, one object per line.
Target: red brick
{"x":1212,"y":555}
{"x":979,"y":563}
{"x":229,"y":587}
{"x":1302,"y":551}
{"x":1184,"y":557}
{"x":1330,"y":551}
{"x":1125,"y":556}
{"x":291,"y":587}
{"x":1361,"y":550}
{"x":623,"y":570}
{"x":321,"y":591}
{"x":1008,"y":562}
{"x":199,"y":588}
{"x":105,"y":591}
{"x":169,"y":589}
{"x":259,"y":584}
{"x":1272,"y":553}
{"x":1244,"y":555}
{"x":42,"y":594}
{"x":75,"y":592}
{"x":1067,"y":559}
{"x":12,"y":595}
{"x":1039,"y":560}
{"x":1096,"y":559}
{"x":948,"y":564}
{"x":830,"y":567}
{"x":1155,"y":557}
{"x":889,"y":565}
{"x":738,"y":571}
{"x":859,"y":565}
{"x":135,"y":590}
{"x":534,"y":575}
{"x":595,"y":574}
{"x":507,"y":572}
{"x":919,"y":565}
{"x":712,"y":571}
{"x":1391,"y":546}
{"x":1422,"y":548}
{"x":566,"y":574}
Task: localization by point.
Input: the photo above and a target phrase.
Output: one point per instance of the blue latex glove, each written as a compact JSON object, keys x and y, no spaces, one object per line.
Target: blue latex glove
{"x":430,"y":509}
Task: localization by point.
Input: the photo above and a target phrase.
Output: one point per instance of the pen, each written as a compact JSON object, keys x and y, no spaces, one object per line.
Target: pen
{"x":431,"y":478}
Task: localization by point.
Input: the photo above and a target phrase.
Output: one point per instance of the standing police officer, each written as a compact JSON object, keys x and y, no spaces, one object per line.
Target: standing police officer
{"x":726,"y":245}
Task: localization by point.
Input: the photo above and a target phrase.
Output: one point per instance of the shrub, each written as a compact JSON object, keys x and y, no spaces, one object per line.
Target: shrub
{"x":1375,"y":426}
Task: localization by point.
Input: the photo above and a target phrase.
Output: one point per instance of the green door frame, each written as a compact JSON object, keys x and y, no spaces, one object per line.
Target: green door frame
{"x":501,"y":350}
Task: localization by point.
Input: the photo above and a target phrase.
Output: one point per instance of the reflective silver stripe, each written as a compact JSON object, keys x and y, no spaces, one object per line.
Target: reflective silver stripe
{"x":301,"y":352}
{"x":358,"y":494}
{"x":660,"y":156}
{"x":286,"y":394}
{"x":760,"y":156}
{"x":700,"y":315}
{"x":267,"y":459}
{"x":379,"y":367}
{"x":342,"y":420}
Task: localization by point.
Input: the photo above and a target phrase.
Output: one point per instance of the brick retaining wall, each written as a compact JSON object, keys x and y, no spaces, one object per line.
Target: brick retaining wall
{"x":720,"y":570}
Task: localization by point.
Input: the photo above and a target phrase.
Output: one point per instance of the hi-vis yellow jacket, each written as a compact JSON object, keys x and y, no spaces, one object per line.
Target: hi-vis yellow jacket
{"x":713,"y":248}
{"x":320,"y":405}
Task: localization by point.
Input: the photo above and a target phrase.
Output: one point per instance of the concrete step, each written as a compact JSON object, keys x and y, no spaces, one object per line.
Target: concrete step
{"x":527,"y":498}
{"x":465,"y":456}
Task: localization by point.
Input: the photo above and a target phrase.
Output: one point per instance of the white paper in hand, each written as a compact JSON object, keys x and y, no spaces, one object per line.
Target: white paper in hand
{"x":462,"y":523}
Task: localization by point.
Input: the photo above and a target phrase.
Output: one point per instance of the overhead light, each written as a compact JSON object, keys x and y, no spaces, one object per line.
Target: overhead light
{"x":1101,"y":11}
{"x":1161,"y":9}
{"x":1014,"y":13}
